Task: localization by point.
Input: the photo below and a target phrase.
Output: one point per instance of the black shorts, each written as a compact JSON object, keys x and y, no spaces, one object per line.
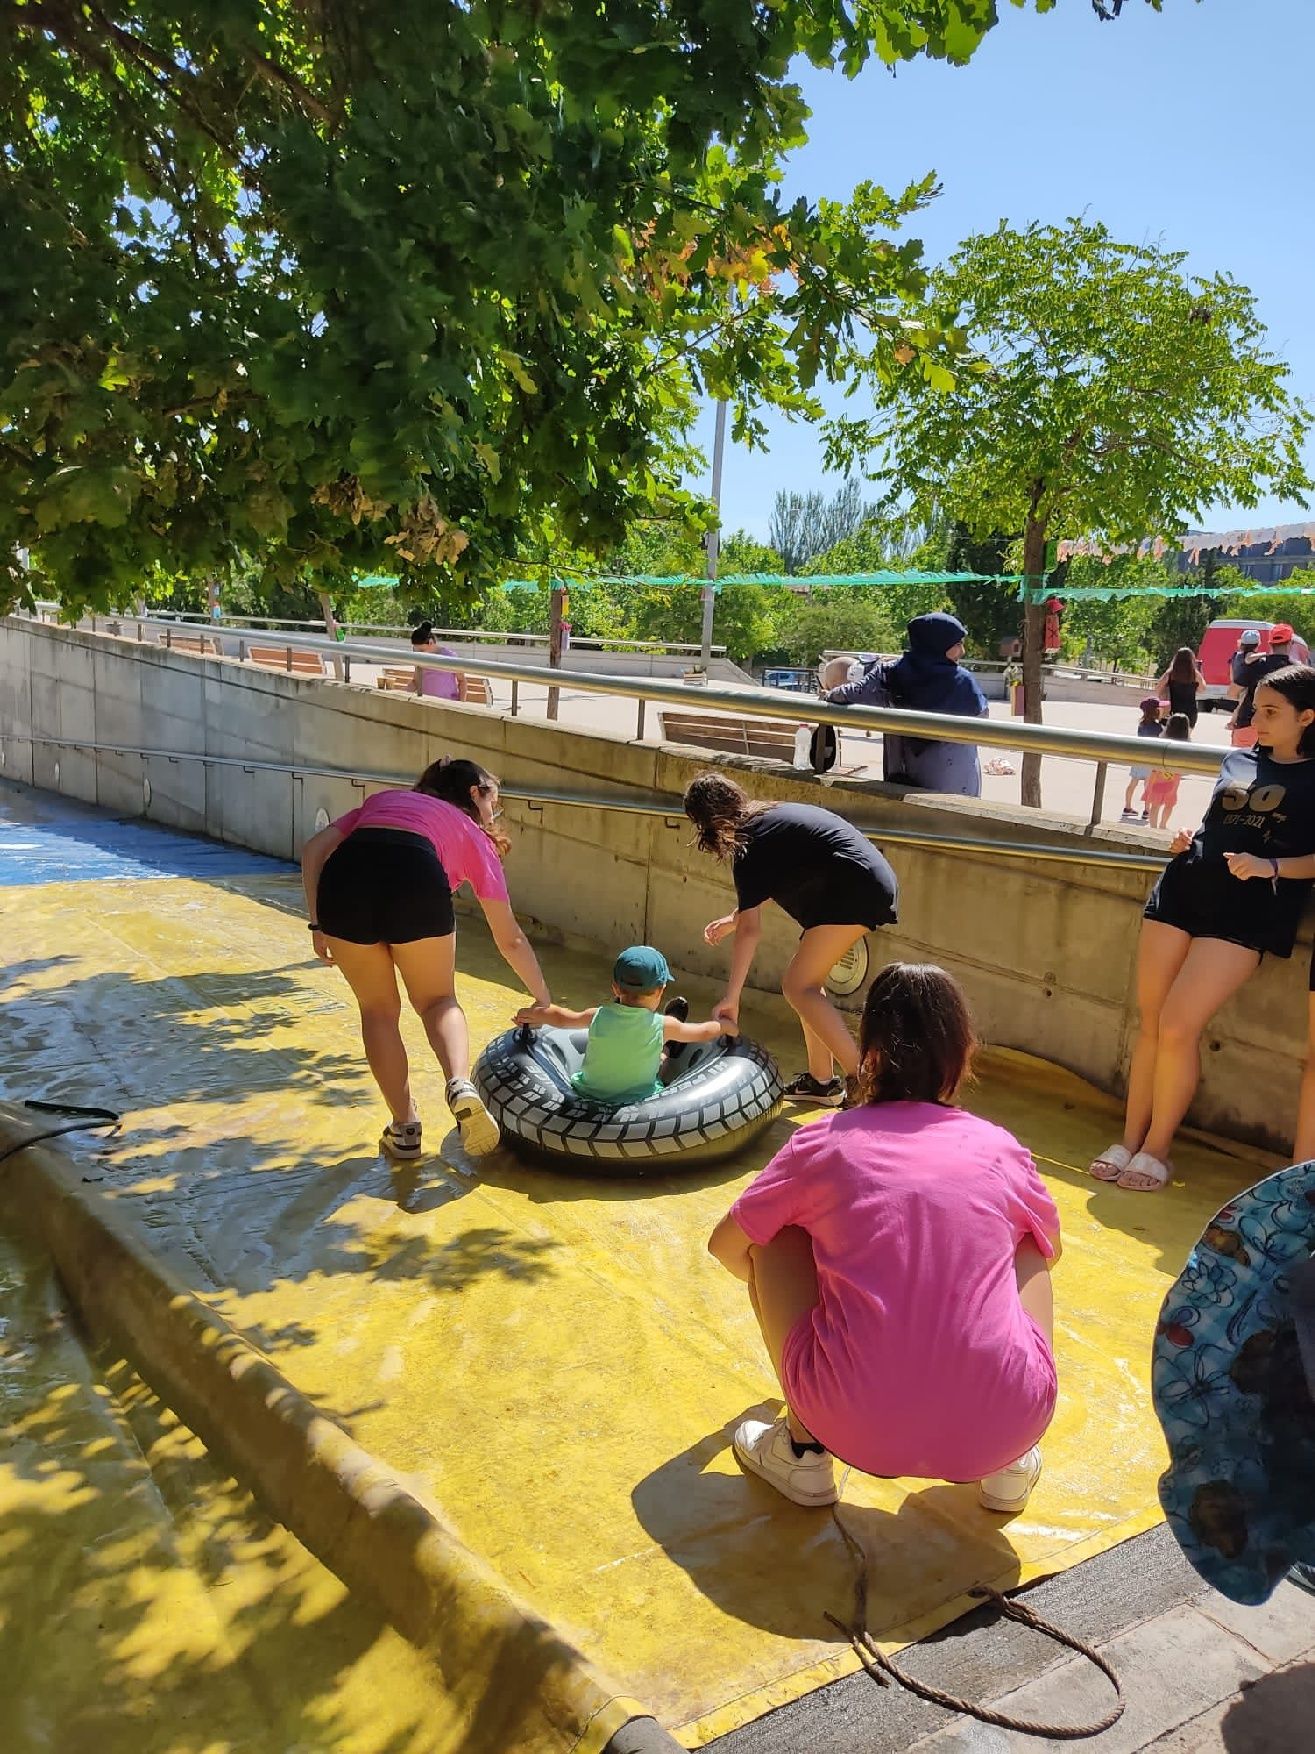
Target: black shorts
{"x":385,"y":886}
{"x":1205,"y":900}
{"x":857,"y":900}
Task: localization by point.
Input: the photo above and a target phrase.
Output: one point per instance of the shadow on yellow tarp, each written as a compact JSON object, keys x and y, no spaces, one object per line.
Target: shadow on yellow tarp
{"x":147,"y":1606}
{"x":556,"y":1362}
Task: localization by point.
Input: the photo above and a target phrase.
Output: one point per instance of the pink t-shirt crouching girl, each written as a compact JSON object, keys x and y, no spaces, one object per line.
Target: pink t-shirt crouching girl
{"x":919,"y":1358}
{"x":464,"y":850}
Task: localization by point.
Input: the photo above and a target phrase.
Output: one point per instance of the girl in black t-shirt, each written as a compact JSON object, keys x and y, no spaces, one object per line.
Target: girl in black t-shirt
{"x":1234,"y":892}
{"x":826,"y":875}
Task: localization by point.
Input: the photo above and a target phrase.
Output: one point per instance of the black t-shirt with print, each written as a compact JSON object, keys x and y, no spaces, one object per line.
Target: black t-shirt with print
{"x":804,"y":858}
{"x":1260,"y":806}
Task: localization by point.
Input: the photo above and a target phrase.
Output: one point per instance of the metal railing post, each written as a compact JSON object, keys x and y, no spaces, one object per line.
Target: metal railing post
{"x":1098,"y":796}
{"x":515,"y":696}
{"x":639,"y":726}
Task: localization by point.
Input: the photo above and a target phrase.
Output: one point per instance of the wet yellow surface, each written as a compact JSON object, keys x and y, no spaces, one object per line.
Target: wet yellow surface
{"x":146,"y":1605}
{"x":556,"y":1362}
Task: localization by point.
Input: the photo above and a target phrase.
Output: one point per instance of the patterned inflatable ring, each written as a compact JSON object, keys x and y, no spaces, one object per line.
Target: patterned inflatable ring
{"x":1231,"y":1393}
{"x":726,"y":1093}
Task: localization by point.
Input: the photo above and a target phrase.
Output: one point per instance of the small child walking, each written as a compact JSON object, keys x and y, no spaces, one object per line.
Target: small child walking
{"x":1138,"y":775}
{"x":896,"y":1257}
{"x":1162,"y":786}
{"x":624,"y":1056}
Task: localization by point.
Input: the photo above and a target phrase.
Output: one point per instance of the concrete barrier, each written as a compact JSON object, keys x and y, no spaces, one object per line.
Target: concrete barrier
{"x":522,"y":1683}
{"x":1046,"y":952}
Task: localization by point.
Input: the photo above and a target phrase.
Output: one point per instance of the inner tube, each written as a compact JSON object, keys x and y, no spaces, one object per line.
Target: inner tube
{"x":726,"y":1092}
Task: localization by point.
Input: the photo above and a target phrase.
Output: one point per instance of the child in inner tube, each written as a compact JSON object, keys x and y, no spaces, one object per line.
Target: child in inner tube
{"x":633,"y":1046}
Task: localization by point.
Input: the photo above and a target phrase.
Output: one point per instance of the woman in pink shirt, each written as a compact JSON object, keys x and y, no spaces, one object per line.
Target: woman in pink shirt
{"x":896,"y":1256}
{"x":379,"y":884}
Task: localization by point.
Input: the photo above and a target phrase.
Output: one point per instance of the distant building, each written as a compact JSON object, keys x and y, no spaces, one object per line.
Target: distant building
{"x":1267,"y":555}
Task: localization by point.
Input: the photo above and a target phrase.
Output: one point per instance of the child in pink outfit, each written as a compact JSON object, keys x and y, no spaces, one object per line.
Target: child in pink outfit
{"x":896,"y":1258}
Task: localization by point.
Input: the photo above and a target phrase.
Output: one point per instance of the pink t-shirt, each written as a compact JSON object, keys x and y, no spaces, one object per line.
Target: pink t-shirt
{"x":464,"y":850}
{"x":919,"y":1358}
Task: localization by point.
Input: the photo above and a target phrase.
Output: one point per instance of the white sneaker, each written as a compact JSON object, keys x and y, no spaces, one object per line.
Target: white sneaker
{"x":477,"y":1127}
{"x":766,"y":1450}
{"x":1008,"y":1489}
{"x":401,"y":1141}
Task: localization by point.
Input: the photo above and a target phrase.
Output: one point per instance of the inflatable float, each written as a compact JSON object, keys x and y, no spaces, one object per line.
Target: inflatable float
{"x":726,"y":1092}
{"x":1233,"y":1378}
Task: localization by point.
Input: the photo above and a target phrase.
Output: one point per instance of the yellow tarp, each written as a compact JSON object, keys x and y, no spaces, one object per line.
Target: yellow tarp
{"x":557,"y":1362}
{"x":146,"y":1605}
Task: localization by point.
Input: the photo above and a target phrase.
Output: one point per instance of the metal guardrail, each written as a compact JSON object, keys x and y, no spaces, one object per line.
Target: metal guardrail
{"x":667,"y":809}
{"x":1100,"y":747}
{"x":199,"y":622}
{"x":766,"y":703}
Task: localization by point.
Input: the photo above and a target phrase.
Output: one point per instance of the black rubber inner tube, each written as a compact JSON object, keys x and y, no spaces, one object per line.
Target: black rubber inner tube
{"x":723,"y":1095}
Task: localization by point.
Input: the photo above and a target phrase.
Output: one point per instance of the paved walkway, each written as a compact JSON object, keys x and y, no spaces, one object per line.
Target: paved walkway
{"x":1199,"y":1673}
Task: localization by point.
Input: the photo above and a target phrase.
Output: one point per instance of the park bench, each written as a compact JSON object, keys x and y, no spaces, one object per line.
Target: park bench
{"x":189,"y":642}
{"x":770,"y":739}
{"x":296,"y":663}
{"x":474,"y":689}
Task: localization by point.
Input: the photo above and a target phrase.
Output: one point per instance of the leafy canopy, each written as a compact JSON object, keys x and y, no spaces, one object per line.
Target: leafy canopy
{"x":420,"y":285}
{"x":1115,"y":396}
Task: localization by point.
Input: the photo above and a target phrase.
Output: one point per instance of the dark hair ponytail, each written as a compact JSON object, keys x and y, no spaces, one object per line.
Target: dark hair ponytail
{"x":452,"y":779}
{"x":916,"y":1040}
{"x":421,"y":636}
{"x":719,"y":809}
{"x":1296,"y":685}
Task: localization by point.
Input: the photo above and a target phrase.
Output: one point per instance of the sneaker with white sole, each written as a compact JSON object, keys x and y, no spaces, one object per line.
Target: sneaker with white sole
{"x":401,"y":1141}
{"x":1008,"y":1489}
{"x":766,"y":1450}
{"x":477,"y":1127}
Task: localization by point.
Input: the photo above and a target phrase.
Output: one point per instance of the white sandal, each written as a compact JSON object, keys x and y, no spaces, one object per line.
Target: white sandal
{"x":1114,"y":1159}
{"x":1155,"y":1172}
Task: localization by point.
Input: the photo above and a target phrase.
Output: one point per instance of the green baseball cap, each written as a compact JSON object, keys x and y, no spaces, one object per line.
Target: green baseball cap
{"x":641,"y":968}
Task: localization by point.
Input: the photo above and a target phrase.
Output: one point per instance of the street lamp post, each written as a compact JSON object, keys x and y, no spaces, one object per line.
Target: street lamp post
{"x":714,"y":538}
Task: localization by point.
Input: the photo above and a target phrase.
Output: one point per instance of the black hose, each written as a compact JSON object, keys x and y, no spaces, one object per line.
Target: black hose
{"x":89,"y":1119}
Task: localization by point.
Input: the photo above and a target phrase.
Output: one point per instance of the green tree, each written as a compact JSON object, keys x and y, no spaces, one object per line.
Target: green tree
{"x":420,"y":286}
{"x":805,"y":525}
{"x":1114,"y":396}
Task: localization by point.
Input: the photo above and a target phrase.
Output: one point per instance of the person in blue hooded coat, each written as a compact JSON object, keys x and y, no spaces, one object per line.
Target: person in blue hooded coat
{"x":927,"y":679}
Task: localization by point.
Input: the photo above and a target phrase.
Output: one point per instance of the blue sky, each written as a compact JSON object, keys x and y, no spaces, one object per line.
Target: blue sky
{"x":1186,"y":127}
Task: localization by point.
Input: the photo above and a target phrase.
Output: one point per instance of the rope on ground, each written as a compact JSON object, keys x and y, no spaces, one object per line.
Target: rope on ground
{"x":881,"y":1669}
{"x":88,"y":1120}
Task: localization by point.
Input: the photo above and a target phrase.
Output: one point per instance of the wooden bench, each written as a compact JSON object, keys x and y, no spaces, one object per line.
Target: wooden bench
{"x":474,"y":689}
{"x":770,"y":739}
{"x":289,"y":658}
{"x":190,"y":642}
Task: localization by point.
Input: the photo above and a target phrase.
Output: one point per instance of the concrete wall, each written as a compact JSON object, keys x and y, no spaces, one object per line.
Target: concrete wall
{"x":1046,"y":951}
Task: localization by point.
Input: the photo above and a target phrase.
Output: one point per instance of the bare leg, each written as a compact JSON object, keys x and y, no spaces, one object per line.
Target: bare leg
{"x":1035,"y":1292}
{"x":1161,"y":952}
{"x":782,"y":1288}
{"x":428,"y":970}
{"x":1211,"y":973}
{"x":1303,"y":1148}
{"x":826,"y":1034}
{"x":1129,"y":792}
{"x":368,"y":970}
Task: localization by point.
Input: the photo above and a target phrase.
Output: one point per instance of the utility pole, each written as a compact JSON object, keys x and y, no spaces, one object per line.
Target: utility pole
{"x":558,"y":638}
{"x":709,"y":593}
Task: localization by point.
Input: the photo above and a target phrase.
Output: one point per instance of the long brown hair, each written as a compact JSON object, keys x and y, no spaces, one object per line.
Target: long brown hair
{"x":719,"y":808}
{"x":452,"y":779}
{"x":1182,"y":668}
{"x":916,"y":1041}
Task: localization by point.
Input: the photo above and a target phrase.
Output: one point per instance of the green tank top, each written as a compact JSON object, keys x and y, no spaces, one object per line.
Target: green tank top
{"x":622,"y":1055}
